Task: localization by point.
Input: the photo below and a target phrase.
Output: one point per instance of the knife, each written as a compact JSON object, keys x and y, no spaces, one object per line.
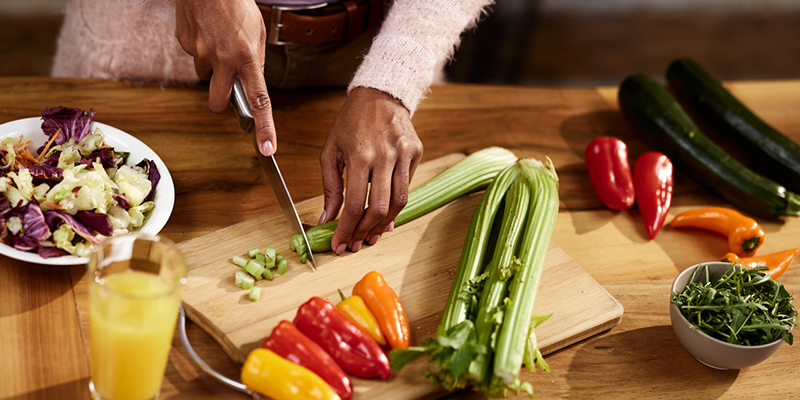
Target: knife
{"x":247,"y":123}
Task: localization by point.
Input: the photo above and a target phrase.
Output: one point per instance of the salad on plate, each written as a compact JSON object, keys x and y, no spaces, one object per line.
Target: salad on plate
{"x":73,"y":191}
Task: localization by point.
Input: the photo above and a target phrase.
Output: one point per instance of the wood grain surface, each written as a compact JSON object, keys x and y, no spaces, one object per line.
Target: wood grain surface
{"x":219,"y":183}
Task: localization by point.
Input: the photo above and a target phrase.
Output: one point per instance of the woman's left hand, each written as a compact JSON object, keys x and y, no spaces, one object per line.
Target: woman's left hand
{"x":374,"y":139}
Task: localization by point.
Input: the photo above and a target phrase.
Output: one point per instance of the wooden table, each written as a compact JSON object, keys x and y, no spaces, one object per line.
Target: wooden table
{"x":219,"y":182}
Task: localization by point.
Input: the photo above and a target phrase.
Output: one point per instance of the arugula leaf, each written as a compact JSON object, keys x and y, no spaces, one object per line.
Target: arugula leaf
{"x":744,"y":306}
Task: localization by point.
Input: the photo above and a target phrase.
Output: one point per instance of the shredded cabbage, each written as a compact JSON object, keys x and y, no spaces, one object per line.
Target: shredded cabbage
{"x":133,"y":183}
{"x":83,"y":179}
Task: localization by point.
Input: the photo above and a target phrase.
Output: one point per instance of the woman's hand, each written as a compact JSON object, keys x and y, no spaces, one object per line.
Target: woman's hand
{"x":373,"y":137}
{"x":227,"y":38}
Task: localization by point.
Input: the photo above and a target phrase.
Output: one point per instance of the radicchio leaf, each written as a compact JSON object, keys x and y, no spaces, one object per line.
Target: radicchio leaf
{"x":5,"y":206}
{"x":34,"y":228}
{"x":4,"y":167}
{"x":79,"y":228}
{"x":97,"y":221}
{"x":122,"y":201}
{"x":51,"y":252}
{"x":44,"y":171}
{"x":105,"y":156}
{"x":152,"y":175}
{"x":52,"y":159}
{"x":73,"y":122}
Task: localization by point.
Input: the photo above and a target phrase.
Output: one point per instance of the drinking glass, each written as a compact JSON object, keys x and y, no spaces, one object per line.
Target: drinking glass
{"x":135,"y":287}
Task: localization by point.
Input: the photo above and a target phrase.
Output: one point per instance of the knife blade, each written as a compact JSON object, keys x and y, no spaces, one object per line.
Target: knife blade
{"x":247,"y":123}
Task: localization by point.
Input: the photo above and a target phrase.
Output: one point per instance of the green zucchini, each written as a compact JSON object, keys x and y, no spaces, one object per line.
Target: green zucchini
{"x":656,"y":115}
{"x":713,"y":104}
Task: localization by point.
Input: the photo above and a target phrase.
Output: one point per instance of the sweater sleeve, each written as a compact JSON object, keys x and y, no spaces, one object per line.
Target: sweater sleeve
{"x":416,"y":39}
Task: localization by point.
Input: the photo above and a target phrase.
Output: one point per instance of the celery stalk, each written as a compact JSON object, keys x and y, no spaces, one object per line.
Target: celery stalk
{"x":498,"y":272}
{"x":486,"y":348}
{"x":510,"y":349}
{"x":471,"y":263}
{"x":469,"y":174}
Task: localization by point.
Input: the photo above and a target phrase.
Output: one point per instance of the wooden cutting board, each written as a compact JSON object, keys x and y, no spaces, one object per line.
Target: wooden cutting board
{"x":418,"y":260}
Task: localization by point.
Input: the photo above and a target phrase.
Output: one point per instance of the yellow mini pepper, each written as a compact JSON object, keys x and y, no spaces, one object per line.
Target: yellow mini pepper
{"x":273,"y":376}
{"x":357,"y":312}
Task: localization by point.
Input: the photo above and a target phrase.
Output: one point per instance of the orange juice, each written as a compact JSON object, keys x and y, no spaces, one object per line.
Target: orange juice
{"x":132,"y":320}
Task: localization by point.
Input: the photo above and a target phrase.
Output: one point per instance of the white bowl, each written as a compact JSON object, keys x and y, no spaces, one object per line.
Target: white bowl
{"x":164,"y":198}
{"x":708,"y":350}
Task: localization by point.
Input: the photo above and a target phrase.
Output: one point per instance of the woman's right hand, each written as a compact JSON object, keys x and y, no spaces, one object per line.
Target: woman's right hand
{"x":227,"y":38}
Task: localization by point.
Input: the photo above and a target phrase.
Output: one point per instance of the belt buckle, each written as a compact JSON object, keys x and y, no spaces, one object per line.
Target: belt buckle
{"x":275,"y":25}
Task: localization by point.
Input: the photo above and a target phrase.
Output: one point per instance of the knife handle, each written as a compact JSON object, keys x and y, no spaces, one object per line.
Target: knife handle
{"x":239,"y":101}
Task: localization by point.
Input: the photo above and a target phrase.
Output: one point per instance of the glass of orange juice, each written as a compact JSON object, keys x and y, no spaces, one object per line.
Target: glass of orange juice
{"x":135,"y":287}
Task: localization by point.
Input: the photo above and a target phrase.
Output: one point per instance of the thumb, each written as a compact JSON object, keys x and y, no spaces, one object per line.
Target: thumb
{"x":255,"y":89}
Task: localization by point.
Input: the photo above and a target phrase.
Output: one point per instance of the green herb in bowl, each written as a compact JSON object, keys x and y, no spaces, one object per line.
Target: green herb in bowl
{"x":741,"y":307}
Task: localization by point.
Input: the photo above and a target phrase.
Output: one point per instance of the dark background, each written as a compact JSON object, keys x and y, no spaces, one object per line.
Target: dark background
{"x":543,"y":43}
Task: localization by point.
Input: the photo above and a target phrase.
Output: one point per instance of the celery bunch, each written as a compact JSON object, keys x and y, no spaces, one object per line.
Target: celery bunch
{"x":487,"y":328}
{"x":470,"y":174}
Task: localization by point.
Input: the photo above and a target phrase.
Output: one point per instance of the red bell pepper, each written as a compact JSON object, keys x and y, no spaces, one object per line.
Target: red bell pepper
{"x":353,"y":350}
{"x":652,"y":173}
{"x":610,"y":173}
{"x":288,"y":342}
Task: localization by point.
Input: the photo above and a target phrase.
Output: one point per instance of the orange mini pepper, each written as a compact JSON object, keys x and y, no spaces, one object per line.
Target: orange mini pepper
{"x":357,"y":312}
{"x":777,"y":263}
{"x":278,"y":378}
{"x":744,"y":234}
{"x":384,"y":304}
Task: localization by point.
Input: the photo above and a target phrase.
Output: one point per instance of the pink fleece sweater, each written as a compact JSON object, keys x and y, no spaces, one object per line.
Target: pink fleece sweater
{"x":134,"y":40}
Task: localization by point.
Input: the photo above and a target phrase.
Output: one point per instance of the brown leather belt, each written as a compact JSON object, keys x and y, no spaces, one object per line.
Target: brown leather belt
{"x":320,"y":23}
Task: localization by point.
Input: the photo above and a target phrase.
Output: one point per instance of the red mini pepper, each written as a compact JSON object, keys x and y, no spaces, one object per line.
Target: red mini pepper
{"x":652,"y":173}
{"x":610,"y":173}
{"x":288,"y":342}
{"x":352,"y":349}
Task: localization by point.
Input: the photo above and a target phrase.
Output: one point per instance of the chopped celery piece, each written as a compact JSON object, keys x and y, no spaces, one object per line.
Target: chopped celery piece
{"x":263,"y":260}
{"x":267,"y":274}
{"x":255,"y":293}
{"x":269,"y":252}
{"x":282,"y":265}
{"x":252,"y":253}
{"x":254,"y":268}
{"x":243,"y":280}
{"x":240,"y":261}
{"x":270,"y":257}
{"x":297,"y":244}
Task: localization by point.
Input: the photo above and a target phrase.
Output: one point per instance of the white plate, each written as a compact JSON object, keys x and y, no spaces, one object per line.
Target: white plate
{"x":31,"y":129}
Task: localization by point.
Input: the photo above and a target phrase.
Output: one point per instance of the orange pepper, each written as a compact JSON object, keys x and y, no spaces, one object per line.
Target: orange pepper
{"x":777,"y":263}
{"x":357,"y":312}
{"x":744,"y":234}
{"x":386,"y":307}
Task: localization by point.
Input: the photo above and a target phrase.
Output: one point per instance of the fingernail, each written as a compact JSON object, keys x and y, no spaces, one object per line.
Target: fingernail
{"x":322,"y":217}
{"x":355,"y":246}
{"x":266,"y":148}
{"x":340,"y":248}
{"x":391,"y":227}
{"x":374,"y":239}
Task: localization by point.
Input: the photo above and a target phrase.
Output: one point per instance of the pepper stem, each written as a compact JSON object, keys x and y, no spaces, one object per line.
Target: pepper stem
{"x":751,"y":244}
